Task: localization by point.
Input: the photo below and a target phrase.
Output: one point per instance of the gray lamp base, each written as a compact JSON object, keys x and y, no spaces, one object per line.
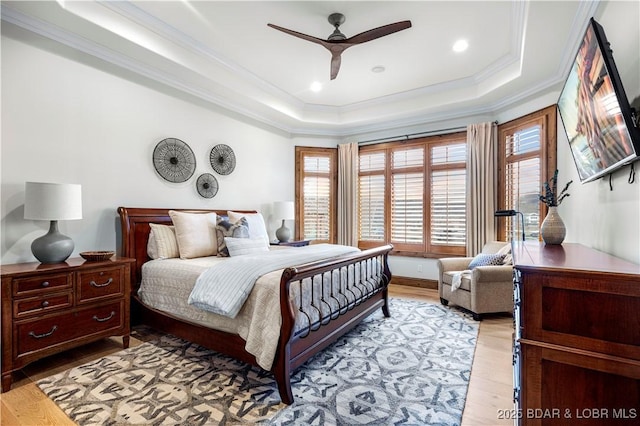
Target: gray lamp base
{"x":52,"y":247}
{"x":283,"y":234}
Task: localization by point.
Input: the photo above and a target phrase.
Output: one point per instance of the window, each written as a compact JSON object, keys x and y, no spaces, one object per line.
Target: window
{"x":371,"y":184}
{"x":448,"y":197}
{"x":412,"y":194}
{"x":527,"y":158}
{"x":316,"y":180}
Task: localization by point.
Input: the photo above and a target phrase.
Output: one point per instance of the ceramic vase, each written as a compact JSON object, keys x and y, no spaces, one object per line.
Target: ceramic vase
{"x":553,"y":230}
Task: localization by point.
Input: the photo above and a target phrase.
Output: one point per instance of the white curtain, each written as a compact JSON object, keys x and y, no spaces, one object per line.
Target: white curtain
{"x":482,"y":141}
{"x":348,"y":194}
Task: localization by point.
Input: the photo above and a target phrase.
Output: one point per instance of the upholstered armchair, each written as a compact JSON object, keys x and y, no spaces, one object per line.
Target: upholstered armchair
{"x":482,"y":289}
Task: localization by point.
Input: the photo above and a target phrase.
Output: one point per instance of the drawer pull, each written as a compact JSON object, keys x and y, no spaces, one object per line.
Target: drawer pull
{"x":45,"y":304}
{"x":95,"y":317}
{"x":95,"y":284}
{"x":40,"y":336}
{"x":45,"y":284}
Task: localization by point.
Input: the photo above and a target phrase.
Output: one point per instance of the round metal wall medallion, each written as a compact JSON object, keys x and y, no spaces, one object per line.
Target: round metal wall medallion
{"x":207,"y":185}
{"x":174,"y":160}
{"x":222,"y":159}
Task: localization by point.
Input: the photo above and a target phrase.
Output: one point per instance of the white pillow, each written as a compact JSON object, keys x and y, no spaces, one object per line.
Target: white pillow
{"x":242,"y":246}
{"x":257,"y":227}
{"x":195,"y":233}
{"x":162,"y":242}
{"x":506,"y":252}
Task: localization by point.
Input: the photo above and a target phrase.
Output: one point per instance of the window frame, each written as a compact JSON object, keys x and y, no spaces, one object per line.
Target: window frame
{"x":546,"y":118}
{"x":300,"y":153}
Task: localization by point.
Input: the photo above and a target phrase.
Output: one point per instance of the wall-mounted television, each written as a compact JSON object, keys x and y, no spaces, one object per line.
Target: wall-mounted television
{"x":595,"y":111}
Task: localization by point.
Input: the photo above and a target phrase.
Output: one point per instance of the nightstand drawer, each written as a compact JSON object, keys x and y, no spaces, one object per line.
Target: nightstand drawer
{"x":43,"y":333}
{"x":41,"y":304}
{"x":33,"y":285}
{"x":101,"y":283}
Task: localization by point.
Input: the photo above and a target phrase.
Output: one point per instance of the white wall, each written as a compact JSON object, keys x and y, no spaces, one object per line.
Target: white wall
{"x":63,"y":121}
{"x":594,"y":215}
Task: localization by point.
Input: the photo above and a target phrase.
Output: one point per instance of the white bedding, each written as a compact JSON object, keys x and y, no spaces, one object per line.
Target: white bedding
{"x":224,"y":287}
{"x":167,"y":283}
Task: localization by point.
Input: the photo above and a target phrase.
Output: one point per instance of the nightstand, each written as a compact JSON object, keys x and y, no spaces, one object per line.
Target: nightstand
{"x":50,"y":308}
{"x":292,"y":243}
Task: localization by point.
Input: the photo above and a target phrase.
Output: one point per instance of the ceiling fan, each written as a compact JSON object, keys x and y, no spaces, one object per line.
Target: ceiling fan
{"x":338,"y":42}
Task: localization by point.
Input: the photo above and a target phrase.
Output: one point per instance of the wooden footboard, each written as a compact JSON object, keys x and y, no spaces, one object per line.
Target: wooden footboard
{"x":319,"y":301}
{"x":347,"y":289}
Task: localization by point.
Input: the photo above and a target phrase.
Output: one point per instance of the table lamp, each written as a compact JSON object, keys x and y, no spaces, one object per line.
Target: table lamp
{"x":283,"y":210}
{"x":53,"y":202}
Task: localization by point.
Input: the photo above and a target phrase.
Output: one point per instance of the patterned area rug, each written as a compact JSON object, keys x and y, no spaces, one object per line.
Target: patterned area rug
{"x":412,"y":368}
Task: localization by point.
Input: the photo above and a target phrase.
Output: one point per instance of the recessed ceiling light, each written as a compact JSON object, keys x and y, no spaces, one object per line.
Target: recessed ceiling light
{"x":460,"y":46}
{"x":316,"y":86}
{"x":378,"y":69}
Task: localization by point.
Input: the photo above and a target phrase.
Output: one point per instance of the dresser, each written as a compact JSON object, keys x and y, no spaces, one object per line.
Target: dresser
{"x":49,"y":308}
{"x":577,"y":336}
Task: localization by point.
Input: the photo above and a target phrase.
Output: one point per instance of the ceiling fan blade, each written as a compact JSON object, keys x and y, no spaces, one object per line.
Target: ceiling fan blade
{"x":301,"y":35}
{"x":336,"y":60}
{"x":378,"y":32}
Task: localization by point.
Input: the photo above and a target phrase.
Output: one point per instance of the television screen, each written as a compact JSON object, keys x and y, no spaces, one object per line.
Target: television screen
{"x":595,"y":111}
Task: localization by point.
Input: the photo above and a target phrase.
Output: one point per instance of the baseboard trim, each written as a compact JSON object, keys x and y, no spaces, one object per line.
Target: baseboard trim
{"x":414,"y":282}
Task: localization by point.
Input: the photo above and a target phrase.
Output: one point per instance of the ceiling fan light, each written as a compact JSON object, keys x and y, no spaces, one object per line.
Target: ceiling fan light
{"x":460,"y":45}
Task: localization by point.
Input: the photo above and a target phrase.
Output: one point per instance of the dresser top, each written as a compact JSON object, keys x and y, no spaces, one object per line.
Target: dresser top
{"x":69,"y":264}
{"x":568,"y":256}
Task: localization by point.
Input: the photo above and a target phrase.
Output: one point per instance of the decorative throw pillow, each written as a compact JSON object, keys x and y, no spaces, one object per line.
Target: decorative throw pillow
{"x":242,"y":246}
{"x":257,"y":226}
{"x":225,"y":228}
{"x":162,"y":242}
{"x":195,"y":233}
{"x":485,"y":259}
{"x":506,"y":251}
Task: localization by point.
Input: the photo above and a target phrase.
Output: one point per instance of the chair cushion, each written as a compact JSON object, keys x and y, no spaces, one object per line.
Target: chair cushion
{"x":465,"y":284}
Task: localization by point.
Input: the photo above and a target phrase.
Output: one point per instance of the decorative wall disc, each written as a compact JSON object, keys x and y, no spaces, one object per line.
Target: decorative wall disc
{"x":222,"y":159}
{"x":174,"y":160}
{"x":207,"y":185}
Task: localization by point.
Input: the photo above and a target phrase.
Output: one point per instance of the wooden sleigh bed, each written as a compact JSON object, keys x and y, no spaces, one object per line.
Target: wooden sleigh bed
{"x":365,"y":292}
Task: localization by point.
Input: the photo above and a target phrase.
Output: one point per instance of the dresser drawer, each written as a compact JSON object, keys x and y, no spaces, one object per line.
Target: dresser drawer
{"x":46,"y":332}
{"x":41,"y":283}
{"x":97,"y":284}
{"x":42,"y":304}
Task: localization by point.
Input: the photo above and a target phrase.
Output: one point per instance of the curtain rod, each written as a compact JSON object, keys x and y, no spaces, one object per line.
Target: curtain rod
{"x":416,"y":135}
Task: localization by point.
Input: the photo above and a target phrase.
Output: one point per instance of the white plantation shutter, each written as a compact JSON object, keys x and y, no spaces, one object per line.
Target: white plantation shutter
{"x":316,"y":207}
{"x":371,"y":208}
{"x":315,"y":183}
{"x":371,"y":188}
{"x":448,"y":208}
{"x":407,"y":196}
{"x":448,"y":195}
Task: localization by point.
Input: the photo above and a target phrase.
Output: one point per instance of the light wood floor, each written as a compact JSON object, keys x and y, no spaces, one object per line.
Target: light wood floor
{"x":490,"y":387}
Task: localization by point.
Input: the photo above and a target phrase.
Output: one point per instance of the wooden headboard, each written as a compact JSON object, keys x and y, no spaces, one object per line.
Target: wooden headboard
{"x":134,"y":224}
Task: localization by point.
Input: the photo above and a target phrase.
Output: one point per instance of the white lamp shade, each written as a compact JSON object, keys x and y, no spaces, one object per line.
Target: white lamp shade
{"x":284,"y":210}
{"x":52,"y":201}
